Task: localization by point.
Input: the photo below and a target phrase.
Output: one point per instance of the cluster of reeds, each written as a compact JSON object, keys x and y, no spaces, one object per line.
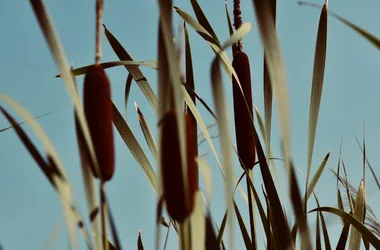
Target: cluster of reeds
{"x":176,"y":155}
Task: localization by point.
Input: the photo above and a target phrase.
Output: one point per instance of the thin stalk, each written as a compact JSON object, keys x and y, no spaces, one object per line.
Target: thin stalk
{"x":103,"y":215}
{"x":99,"y":15}
{"x":250,"y":207}
{"x":167,"y":235}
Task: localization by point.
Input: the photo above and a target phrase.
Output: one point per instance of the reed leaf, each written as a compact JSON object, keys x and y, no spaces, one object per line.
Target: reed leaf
{"x":134,"y":147}
{"x":134,"y":70}
{"x":317,"y":85}
{"x":367,"y":234}
{"x":147,"y":133}
{"x":83,"y":70}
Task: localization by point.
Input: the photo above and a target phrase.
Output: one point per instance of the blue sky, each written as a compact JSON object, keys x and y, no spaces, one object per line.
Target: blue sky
{"x":30,"y":208}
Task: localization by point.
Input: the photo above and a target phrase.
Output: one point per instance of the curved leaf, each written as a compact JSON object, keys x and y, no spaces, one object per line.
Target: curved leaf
{"x":106,"y":65}
{"x":367,"y":234}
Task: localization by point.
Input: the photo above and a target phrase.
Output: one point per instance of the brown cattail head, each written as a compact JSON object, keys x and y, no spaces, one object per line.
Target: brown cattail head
{"x":243,"y":125}
{"x":192,"y":153}
{"x":171,"y":164}
{"x":98,"y":112}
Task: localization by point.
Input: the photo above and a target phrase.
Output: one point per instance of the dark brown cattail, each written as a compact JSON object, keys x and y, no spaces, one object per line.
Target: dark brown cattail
{"x":192,"y":152}
{"x":174,"y":187}
{"x":98,"y":112}
{"x":243,"y":125}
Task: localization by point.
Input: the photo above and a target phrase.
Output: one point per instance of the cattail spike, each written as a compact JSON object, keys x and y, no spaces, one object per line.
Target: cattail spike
{"x":98,"y":112}
{"x":237,"y":21}
{"x":243,"y":125}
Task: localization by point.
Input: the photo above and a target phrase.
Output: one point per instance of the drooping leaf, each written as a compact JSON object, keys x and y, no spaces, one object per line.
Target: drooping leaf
{"x":83,"y":70}
{"x":370,"y":37}
{"x":353,"y":222}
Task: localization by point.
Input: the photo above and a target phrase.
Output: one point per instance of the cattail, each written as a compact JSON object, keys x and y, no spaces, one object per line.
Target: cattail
{"x":98,"y":112}
{"x":174,"y":187}
{"x":192,"y":152}
{"x":243,"y":125}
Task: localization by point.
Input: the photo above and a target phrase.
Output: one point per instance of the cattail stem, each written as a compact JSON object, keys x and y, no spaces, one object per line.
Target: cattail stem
{"x":99,"y":16}
{"x":250,"y":208}
{"x":237,"y":22}
{"x":103,"y":215}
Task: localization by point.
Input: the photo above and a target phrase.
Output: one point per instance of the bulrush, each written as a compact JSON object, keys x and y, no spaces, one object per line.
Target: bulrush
{"x":243,"y":125}
{"x":192,"y":152}
{"x":172,"y":169}
{"x":98,"y":112}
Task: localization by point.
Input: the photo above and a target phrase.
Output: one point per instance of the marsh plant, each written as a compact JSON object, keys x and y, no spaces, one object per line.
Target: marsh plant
{"x":183,"y":193}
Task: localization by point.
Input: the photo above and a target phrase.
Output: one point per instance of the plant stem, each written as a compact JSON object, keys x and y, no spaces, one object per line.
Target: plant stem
{"x":99,"y":15}
{"x":103,"y":215}
{"x":250,"y":207}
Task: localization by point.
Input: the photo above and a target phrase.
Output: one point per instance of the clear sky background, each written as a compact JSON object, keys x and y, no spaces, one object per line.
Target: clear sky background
{"x":30,"y":209}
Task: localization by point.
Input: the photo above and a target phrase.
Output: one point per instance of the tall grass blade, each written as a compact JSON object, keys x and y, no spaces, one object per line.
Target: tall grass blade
{"x":202,"y":19}
{"x":170,"y":83}
{"x":226,"y":63}
{"x":190,"y":104}
{"x":59,"y":56}
{"x":89,"y":184}
{"x":198,"y":223}
{"x":263,"y":217}
{"x":263,"y":133}
{"x":60,"y":59}
{"x":112,"y":223}
{"x":140,"y":245}
{"x":271,"y":224}
{"x":206,"y":171}
{"x":134,"y":147}
{"x":224,"y":130}
{"x":230,"y":29}
{"x":61,"y":181}
{"x":243,"y":229}
{"x":127,"y":90}
{"x":317,"y":86}
{"x":279,"y":219}
{"x":221,"y":230}
{"x":324,"y":227}
{"x":268,"y":92}
{"x":299,"y":211}
{"x":211,"y":241}
{"x":276,"y":72}
{"x":370,"y":37}
{"x":355,"y":236}
{"x":318,"y":243}
{"x":147,"y":133}
{"x":316,"y":176}
{"x":367,"y":234}
{"x":133,"y":70}
{"x":32,"y":149}
{"x":369,"y":164}
{"x":191,"y":125}
{"x":341,"y":245}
